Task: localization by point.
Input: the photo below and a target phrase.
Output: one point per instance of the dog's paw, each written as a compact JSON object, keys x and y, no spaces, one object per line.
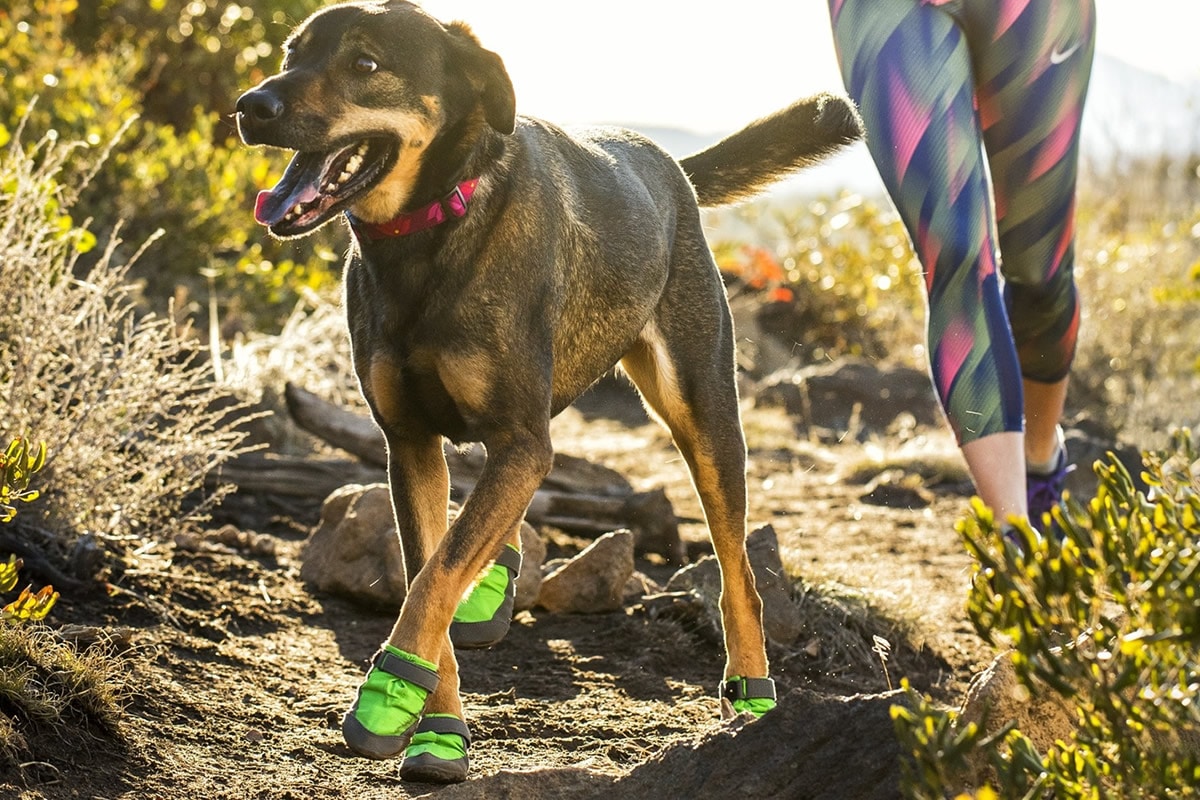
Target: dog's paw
{"x":438,"y":751}
{"x":388,"y":707}
{"x":483,"y":617}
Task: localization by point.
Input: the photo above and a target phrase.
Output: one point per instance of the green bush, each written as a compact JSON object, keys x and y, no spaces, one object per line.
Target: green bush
{"x":89,"y":72}
{"x":1107,"y":619}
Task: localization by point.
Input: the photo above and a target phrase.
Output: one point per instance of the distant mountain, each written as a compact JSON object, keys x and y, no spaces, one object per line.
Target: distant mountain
{"x":1133,"y":112}
{"x":1129,"y":112}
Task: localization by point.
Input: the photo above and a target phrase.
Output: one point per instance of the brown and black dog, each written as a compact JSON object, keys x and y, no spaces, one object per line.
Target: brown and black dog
{"x":499,"y":265}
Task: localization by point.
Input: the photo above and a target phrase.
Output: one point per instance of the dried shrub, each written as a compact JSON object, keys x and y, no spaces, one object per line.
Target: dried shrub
{"x":126,"y":403}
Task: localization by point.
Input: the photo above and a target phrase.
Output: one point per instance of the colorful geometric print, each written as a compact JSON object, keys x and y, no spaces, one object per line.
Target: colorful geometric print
{"x":972,"y":110}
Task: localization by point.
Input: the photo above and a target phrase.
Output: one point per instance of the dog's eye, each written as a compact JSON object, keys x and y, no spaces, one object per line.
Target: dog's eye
{"x":365,"y":65}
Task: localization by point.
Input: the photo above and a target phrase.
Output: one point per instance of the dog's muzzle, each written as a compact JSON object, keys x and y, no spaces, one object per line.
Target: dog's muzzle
{"x":257,"y":109}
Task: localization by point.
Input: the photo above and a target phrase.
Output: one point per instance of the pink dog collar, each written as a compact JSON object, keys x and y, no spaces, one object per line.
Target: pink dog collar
{"x":437,"y":212}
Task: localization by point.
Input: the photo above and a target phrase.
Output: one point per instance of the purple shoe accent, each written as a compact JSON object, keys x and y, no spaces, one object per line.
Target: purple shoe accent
{"x":1045,"y":491}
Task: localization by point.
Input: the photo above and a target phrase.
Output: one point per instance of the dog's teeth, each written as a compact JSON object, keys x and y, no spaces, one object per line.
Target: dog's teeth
{"x":353,"y":164}
{"x":345,"y":176}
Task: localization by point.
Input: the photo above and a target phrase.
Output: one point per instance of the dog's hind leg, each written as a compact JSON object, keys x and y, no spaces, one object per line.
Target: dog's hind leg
{"x":684,"y":367}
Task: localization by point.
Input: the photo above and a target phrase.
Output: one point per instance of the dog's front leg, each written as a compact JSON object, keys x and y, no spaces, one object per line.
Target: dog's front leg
{"x":420,"y":489}
{"x":416,"y":673}
{"x":400,"y":684}
{"x":517,"y":462}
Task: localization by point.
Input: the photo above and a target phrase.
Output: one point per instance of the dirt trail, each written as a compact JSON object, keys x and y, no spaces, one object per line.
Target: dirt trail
{"x":240,"y":675}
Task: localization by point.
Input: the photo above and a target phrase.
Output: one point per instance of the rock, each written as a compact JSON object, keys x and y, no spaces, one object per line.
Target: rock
{"x":529,"y":582}
{"x":354,"y":552}
{"x":781,"y":617}
{"x":810,"y":746}
{"x":852,"y":396}
{"x":997,"y":693}
{"x":894,"y":489}
{"x":594,"y":580}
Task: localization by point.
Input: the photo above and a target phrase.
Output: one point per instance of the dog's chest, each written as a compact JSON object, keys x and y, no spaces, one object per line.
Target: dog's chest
{"x":421,"y":390}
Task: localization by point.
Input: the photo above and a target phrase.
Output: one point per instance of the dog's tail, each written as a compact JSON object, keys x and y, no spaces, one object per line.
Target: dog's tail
{"x":744,"y":163}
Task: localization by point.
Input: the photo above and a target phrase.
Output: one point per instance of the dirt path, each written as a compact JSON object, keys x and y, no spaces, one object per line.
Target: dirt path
{"x":238,"y":694}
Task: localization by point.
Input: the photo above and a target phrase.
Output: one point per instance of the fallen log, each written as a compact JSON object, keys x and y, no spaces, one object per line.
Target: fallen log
{"x":358,"y":435}
{"x":355,"y":433}
{"x":290,"y":476}
{"x":578,"y":496}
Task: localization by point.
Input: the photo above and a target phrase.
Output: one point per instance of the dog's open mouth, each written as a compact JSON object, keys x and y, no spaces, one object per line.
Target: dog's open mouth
{"x":316,"y":185}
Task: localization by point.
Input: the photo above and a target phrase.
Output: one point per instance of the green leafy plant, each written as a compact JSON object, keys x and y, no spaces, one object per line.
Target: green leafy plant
{"x":1107,"y":618}
{"x":17,"y":466}
{"x":155,"y":84}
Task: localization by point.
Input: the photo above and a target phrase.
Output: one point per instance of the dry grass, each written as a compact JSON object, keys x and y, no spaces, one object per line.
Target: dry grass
{"x":125,"y":402}
{"x":51,"y":690}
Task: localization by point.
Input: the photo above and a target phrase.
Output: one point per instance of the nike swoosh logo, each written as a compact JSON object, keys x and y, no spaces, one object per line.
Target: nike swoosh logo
{"x":1059,"y":56}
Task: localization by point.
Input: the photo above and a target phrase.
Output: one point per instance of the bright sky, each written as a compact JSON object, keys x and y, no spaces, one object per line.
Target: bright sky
{"x":711,"y":67}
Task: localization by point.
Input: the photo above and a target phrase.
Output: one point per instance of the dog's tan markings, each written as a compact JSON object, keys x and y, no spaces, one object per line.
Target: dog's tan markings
{"x":650,"y":367}
{"x":468,"y":378}
{"x":415,"y":131}
{"x":385,"y":388}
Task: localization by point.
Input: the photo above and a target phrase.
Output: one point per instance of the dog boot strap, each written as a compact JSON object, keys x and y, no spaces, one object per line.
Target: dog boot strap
{"x":737,"y":688}
{"x":406,"y":670}
{"x":442,"y":724}
{"x":510,"y":557}
{"x":755,"y":695}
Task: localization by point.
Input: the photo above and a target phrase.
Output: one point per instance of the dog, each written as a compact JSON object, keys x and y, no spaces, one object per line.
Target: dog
{"x":498,"y":266}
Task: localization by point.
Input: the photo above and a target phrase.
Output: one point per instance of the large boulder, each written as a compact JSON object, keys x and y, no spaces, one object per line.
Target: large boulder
{"x":355,"y":553}
{"x":594,"y":580}
{"x":781,"y":616}
{"x":851,"y":396}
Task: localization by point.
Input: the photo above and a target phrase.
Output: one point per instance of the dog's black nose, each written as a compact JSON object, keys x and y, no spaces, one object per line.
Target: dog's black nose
{"x":260,"y":105}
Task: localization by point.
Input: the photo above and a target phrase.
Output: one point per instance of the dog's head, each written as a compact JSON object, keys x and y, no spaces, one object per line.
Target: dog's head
{"x":364,"y":90}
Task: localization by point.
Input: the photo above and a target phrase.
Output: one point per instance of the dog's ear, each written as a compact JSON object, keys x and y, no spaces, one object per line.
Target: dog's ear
{"x":488,"y":78}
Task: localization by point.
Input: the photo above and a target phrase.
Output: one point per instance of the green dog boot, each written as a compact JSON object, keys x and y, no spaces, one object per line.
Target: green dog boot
{"x":389,"y":703}
{"x":483,"y":616}
{"x":438,"y":751}
{"x":756,"y":695}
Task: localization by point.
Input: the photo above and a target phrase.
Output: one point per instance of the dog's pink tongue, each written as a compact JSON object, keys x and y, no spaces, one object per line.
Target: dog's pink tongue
{"x":272,"y":204}
{"x":259,"y":202}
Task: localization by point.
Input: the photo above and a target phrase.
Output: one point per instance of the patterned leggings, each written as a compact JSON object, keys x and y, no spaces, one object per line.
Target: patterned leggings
{"x":972,"y":110}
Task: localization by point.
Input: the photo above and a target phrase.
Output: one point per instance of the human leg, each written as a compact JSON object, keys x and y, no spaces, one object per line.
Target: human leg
{"x":1033,"y":63}
{"x":908,"y":65}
